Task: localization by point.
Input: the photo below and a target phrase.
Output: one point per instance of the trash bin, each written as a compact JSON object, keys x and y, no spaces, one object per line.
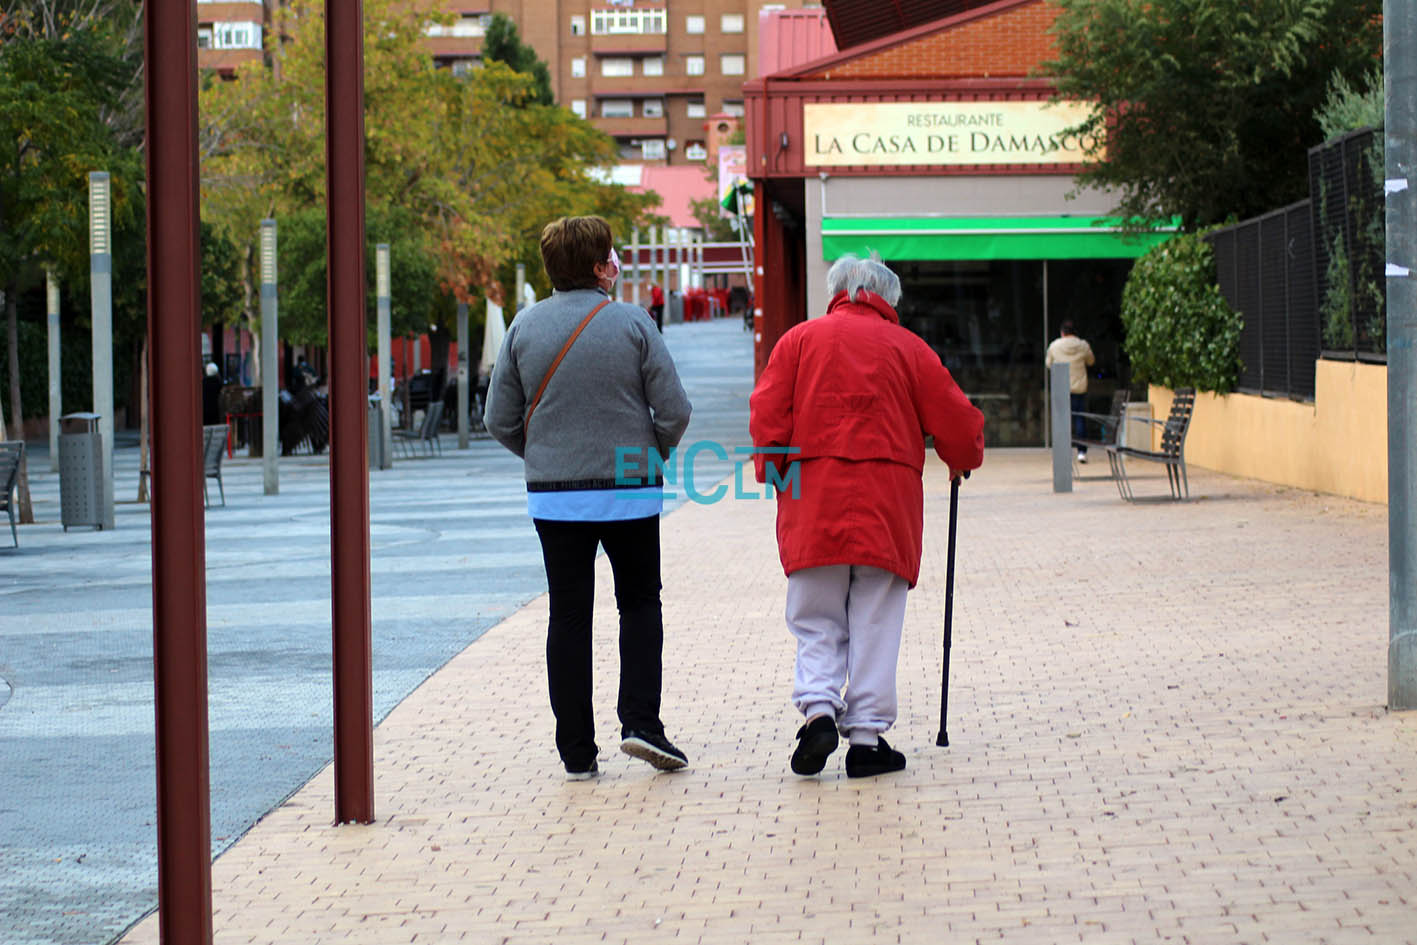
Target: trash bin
{"x":80,"y":470}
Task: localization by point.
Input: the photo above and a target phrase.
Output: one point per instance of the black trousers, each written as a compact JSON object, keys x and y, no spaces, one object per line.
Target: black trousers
{"x":569,"y":549}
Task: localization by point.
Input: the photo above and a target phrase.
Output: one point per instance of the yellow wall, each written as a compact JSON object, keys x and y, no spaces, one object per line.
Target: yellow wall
{"x":1337,"y":444}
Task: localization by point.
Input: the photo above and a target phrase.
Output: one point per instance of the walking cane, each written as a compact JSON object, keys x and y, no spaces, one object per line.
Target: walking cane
{"x":943,"y":739}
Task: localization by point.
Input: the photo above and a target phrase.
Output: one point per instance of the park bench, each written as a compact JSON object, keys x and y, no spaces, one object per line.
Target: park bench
{"x":426,"y":434}
{"x":1172,"y":453}
{"x":1103,"y":429}
{"x":11,"y":453}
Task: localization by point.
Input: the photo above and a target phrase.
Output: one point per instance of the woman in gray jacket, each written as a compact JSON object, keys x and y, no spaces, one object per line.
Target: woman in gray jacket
{"x":583,"y":390}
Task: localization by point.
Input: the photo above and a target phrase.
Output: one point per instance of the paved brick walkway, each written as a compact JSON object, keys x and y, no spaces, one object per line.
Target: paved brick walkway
{"x":1167,"y":725}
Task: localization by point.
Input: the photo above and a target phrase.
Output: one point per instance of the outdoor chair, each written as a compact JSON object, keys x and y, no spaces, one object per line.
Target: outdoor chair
{"x":426,"y":434}
{"x":11,"y":453}
{"x":213,"y":449}
{"x":1103,"y":429}
{"x":1172,"y":453}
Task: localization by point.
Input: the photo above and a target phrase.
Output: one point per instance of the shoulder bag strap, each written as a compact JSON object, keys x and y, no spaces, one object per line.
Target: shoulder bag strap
{"x":557,"y":362}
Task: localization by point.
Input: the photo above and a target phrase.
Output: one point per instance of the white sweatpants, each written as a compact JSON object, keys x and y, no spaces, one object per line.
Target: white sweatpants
{"x":847,"y":620}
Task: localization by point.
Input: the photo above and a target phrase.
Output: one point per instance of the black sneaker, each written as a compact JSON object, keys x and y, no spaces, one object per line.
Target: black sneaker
{"x":863,"y":762}
{"x":815,"y":741}
{"x":583,"y":774}
{"x":656,"y":749}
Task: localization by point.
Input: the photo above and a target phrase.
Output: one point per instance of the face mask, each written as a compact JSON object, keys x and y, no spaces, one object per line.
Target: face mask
{"x":613,"y":264}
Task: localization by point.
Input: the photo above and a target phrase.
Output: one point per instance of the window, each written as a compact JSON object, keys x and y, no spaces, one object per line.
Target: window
{"x":578,"y":67}
{"x":577,"y":25}
{"x":695,"y":108}
{"x":693,"y":25}
{"x":653,"y":108}
{"x":695,"y":151}
{"x":469,"y":24}
{"x":693,"y":65}
{"x":653,"y":65}
{"x":734,"y":108}
{"x":617,"y":67}
{"x":464,"y":66}
{"x":204,"y":39}
{"x":617,"y":108}
{"x":731,"y":23}
{"x":731,"y":63}
{"x":626,"y":21}
{"x":237,"y":36}
{"x":652,"y":149}
{"x":578,"y":107}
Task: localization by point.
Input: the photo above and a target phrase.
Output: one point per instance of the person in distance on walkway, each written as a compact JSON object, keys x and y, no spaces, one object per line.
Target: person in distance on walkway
{"x":1077,"y":354}
{"x":579,"y":379}
{"x":856,"y":394}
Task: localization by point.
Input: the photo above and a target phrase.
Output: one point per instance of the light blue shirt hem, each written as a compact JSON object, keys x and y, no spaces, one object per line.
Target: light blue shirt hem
{"x":596,"y":505}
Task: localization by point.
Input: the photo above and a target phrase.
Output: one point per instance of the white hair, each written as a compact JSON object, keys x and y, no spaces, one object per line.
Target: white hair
{"x":851,"y":274}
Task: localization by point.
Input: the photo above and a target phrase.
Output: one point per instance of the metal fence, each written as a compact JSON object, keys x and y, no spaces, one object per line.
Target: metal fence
{"x":1265,"y":267}
{"x":1346,"y":190}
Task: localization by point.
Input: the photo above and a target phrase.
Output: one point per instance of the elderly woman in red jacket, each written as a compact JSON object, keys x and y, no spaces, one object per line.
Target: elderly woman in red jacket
{"x":853,"y":394}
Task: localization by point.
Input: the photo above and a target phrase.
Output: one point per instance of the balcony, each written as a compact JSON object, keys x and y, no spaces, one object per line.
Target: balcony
{"x":629,"y":44}
{"x":632,"y":127}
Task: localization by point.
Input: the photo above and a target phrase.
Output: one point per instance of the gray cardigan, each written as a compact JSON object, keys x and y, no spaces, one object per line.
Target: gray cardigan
{"x":616,"y":387}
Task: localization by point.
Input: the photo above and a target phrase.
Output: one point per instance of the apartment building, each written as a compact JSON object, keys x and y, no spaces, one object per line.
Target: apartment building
{"x":650,"y":73}
{"x":229,"y":33}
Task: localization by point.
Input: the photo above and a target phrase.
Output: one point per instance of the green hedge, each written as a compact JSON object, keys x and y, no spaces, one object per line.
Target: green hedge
{"x":1180,"y":332}
{"x":76,"y":370}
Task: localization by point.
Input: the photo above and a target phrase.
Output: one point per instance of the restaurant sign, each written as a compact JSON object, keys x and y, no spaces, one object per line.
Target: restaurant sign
{"x":943,"y":133}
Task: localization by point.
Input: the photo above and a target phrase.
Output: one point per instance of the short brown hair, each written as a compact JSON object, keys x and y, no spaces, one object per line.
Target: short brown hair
{"x":570,"y":248}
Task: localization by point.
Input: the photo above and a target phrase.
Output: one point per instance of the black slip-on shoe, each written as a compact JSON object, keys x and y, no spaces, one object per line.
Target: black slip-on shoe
{"x":656,"y":749}
{"x":582,"y":774}
{"x":864,"y":762}
{"x":815,"y":741}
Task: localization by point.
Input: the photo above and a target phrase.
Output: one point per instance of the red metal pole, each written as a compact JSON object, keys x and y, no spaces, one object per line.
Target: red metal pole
{"x":184,"y":854}
{"x":349,"y":411}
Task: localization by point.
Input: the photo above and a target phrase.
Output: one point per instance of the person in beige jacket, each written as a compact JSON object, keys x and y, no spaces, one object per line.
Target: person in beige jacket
{"x":1076,"y":353}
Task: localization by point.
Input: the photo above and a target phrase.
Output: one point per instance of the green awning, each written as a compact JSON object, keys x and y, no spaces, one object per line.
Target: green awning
{"x":964,"y":238}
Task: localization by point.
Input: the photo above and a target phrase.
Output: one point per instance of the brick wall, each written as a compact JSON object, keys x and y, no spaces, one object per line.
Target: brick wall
{"x":1007,"y":44}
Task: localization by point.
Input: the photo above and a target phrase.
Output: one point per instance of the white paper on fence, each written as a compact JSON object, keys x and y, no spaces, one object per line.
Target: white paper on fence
{"x":493,"y":331}
{"x":1397,"y":271}
{"x":1395,"y":185}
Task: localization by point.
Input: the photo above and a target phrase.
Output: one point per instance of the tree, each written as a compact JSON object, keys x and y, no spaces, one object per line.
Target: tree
{"x":1180,"y":330}
{"x":1204,"y":109}
{"x":53,"y":96}
{"x":503,"y":43}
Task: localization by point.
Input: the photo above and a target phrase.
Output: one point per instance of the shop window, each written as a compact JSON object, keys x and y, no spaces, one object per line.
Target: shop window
{"x":731,"y":63}
{"x":617,"y":67}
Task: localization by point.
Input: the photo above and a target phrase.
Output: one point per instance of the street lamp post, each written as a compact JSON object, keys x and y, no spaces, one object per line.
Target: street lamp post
{"x":1399,"y":50}
{"x":383,"y":343}
{"x":56,"y":394}
{"x":462,"y":376}
{"x":101,"y":297}
{"x":270,"y":372}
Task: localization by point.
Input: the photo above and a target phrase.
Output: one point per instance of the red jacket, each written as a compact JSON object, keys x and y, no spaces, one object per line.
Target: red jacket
{"x":856,"y":393}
